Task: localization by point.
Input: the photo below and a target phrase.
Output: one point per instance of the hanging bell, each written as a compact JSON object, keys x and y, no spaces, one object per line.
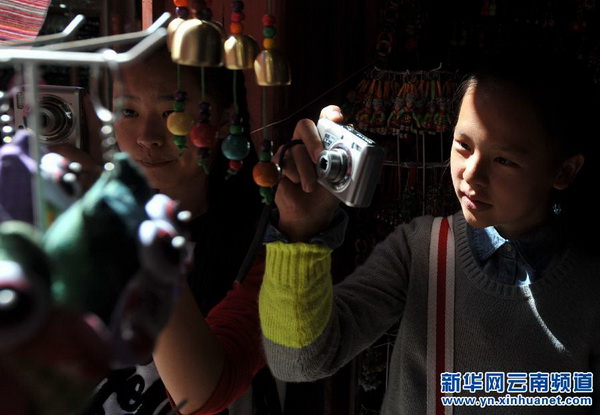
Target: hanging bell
{"x":171,"y":28}
{"x":197,"y":43}
{"x":272,"y":68}
{"x":240,"y":52}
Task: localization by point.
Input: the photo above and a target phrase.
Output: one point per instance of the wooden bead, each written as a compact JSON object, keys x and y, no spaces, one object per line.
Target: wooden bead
{"x":236,"y":28}
{"x":265,"y":174}
{"x":235,"y":147}
{"x":268,"y":43}
{"x":236,"y":165}
{"x":237,"y":17}
{"x":179,"y":123}
{"x":269,"y":31}
{"x":268,"y":20}
{"x":203,"y":135}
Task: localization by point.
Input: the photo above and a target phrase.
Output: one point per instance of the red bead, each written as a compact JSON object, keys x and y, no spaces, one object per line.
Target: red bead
{"x":181,"y":3}
{"x":268,"y":20}
{"x":203,"y":135}
{"x":236,"y":28}
{"x":236,"y":165}
{"x":237,"y":17}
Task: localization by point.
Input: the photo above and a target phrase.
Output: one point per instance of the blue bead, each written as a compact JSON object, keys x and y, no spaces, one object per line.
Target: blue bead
{"x":235,"y":147}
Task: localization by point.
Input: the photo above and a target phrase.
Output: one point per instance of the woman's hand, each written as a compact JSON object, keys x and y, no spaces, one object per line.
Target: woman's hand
{"x":305,"y":207}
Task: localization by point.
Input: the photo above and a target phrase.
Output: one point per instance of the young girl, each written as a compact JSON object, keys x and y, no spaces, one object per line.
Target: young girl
{"x":523,"y":313}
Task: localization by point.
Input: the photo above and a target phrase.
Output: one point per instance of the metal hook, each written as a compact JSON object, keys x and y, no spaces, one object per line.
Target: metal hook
{"x":106,"y":116}
{"x":67,"y":33}
{"x":114,"y":39}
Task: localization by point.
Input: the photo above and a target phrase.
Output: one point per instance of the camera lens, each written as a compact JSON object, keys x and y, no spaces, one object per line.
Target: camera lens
{"x":332,"y":165}
{"x":57,"y":119}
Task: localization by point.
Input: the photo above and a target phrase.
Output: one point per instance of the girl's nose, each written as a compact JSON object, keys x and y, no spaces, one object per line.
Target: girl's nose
{"x":152,"y":133}
{"x":475,"y":173}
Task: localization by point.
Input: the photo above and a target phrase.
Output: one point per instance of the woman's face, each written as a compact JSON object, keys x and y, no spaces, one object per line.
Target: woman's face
{"x":502,"y":166}
{"x":141,"y":131}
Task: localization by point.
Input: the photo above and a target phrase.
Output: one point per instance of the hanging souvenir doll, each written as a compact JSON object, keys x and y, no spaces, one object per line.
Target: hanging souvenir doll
{"x":442,"y":118}
{"x":427,"y":122}
{"x":363,"y":117}
{"x":378,"y":122}
{"x":393,"y":122}
{"x":408,"y":119}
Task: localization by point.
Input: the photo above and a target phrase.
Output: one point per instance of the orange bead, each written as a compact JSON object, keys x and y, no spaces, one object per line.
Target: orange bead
{"x":265,"y":174}
{"x":268,"y":43}
{"x":181,"y":3}
{"x":236,"y":28}
{"x":179,"y":123}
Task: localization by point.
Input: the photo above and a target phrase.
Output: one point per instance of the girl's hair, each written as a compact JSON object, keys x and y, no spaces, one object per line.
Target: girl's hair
{"x":565,"y":98}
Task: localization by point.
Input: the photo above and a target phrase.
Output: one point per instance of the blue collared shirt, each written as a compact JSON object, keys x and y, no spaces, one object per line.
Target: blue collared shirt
{"x":514,"y":262}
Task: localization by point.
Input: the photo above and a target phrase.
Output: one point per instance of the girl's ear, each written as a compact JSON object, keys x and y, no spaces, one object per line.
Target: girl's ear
{"x":568,"y":170}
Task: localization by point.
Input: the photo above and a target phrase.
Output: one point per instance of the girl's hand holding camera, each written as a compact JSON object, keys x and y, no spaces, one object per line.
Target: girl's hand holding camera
{"x":305,"y":207}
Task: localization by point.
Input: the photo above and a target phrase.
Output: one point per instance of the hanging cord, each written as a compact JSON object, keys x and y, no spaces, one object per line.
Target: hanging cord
{"x":263,"y":220}
{"x":202,"y":84}
{"x":236,"y":107}
{"x":273,"y":124}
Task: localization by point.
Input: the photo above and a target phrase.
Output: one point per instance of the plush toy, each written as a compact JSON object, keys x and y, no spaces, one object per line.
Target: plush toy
{"x":24,"y":284}
{"x":121,"y":258}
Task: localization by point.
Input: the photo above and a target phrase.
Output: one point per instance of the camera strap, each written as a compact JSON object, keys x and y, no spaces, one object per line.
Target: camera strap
{"x":440,"y":312}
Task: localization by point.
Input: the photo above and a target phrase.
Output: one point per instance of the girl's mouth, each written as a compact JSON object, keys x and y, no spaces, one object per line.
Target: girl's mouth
{"x":473,"y":203}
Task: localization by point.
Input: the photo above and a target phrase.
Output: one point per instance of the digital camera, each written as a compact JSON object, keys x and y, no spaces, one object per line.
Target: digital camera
{"x":60,"y":114}
{"x":350,"y":165}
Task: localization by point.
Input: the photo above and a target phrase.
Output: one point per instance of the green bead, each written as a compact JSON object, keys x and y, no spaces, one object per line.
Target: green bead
{"x":178,"y":106}
{"x":266,"y":194}
{"x":236,"y":129}
{"x":235,"y":147}
{"x":269,"y":31}
{"x":265,"y":156}
{"x":180,"y":141}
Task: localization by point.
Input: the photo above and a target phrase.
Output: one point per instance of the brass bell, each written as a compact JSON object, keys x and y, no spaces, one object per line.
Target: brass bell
{"x":240,"y":52}
{"x":272,"y":68}
{"x":173,"y":25}
{"x":197,"y":43}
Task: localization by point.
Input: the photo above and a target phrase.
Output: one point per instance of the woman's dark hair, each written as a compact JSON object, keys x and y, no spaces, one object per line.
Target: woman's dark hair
{"x":224,"y":233}
{"x":234,"y":202}
{"x":566,"y":100}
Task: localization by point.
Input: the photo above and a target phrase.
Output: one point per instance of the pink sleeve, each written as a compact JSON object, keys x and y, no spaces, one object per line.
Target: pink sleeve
{"x":235,"y":323}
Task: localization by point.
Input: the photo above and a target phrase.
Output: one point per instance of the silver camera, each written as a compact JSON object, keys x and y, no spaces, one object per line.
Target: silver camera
{"x":60,"y":114}
{"x":350,"y":165}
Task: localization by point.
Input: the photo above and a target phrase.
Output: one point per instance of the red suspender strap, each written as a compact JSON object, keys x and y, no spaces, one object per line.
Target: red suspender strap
{"x":440,"y":313}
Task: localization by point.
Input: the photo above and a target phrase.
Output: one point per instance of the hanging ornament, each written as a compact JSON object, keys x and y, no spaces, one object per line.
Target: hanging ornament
{"x":270,"y":65}
{"x":178,"y":122}
{"x":203,"y":134}
{"x":235,"y":146}
{"x":197,"y":42}
{"x":239,"y":50}
{"x":182,"y":12}
{"x":265,"y":173}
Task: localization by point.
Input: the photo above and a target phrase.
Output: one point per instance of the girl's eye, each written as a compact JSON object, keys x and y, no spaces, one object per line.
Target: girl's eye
{"x":129,"y":113}
{"x":167,"y":113}
{"x":505,"y":162}
{"x":461,"y":145}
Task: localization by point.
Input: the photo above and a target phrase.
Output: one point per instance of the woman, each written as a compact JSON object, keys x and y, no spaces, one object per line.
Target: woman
{"x":190,"y":354}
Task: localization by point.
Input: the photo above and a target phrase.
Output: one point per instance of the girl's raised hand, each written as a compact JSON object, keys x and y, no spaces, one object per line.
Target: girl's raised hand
{"x":305,"y":207}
